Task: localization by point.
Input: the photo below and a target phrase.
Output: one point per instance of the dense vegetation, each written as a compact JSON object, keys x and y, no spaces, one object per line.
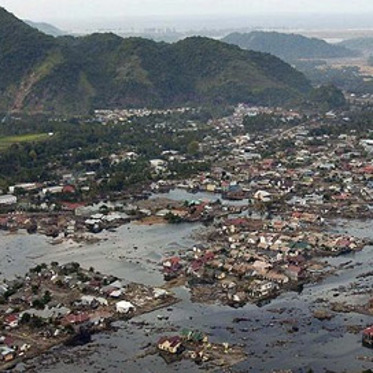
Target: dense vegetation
{"x":347,"y":78}
{"x":22,"y":47}
{"x":81,"y":147}
{"x":289,"y":47}
{"x":328,"y":97}
{"x":67,"y":74}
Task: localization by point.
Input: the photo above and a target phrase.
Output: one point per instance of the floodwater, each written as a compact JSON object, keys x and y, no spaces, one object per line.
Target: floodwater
{"x":179,"y":194}
{"x":280,"y":335}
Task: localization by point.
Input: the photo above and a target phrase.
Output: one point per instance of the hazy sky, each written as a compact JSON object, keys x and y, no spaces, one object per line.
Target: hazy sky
{"x":48,"y":10}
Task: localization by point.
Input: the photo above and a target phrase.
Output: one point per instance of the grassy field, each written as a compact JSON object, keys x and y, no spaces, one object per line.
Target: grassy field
{"x":6,"y":142}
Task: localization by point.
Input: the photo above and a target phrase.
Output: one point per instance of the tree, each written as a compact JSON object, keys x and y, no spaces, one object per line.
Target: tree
{"x":25,"y":319}
{"x":47,"y":297}
{"x":193,"y":148}
{"x":328,"y":97}
{"x":34,"y":289}
{"x":32,"y":154}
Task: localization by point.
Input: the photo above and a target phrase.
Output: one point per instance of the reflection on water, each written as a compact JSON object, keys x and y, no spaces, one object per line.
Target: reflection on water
{"x":183,"y":195}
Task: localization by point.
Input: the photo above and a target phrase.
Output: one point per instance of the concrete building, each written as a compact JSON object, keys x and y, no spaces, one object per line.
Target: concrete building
{"x":8,"y":200}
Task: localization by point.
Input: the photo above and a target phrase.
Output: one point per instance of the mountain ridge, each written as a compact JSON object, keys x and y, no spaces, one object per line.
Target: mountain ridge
{"x":288,"y":47}
{"x":46,"y":28}
{"x":68,"y":74}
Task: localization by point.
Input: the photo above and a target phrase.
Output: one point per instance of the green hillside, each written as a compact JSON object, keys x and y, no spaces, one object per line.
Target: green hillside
{"x":288,"y":47}
{"x":40,"y":73}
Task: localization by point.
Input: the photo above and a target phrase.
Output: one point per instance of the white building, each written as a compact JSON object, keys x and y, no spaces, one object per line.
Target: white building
{"x":124,"y":307}
{"x":52,"y":190}
{"x":23,"y":186}
{"x":8,"y":200}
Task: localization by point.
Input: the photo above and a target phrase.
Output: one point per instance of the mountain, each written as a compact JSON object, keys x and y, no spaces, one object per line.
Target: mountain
{"x":40,"y":73}
{"x":359,"y":44}
{"x":46,"y":28}
{"x":288,"y":47}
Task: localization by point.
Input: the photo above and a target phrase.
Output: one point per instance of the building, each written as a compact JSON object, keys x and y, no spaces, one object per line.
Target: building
{"x":52,"y":190}
{"x":368,"y":337}
{"x":124,"y":307}
{"x":8,"y":200}
{"x":11,"y":321}
{"x":173,"y":345}
{"x":7,"y":354}
{"x":24,"y":186}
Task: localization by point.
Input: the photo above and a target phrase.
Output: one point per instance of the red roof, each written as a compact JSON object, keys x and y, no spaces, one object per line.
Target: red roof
{"x":72,"y":206}
{"x":174,"y":260}
{"x":297,"y":214}
{"x":296,"y":259}
{"x":173,"y":341}
{"x":237,"y":222}
{"x":9,"y":341}
{"x":76,"y":319}
{"x":368,"y":331}
{"x":3,"y":220}
{"x":294,"y":269}
{"x":209,"y":255}
{"x":367,"y":169}
{"x":68,"y":189}
{"x":343,"y":242}
{"x":11,"y":318}
{"x":196,"y":265}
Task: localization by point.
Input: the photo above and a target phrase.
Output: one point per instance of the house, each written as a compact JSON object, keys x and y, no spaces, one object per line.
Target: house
{"x":158,"y":165}
{"x":124,"y":307}
{"x":172,"y":263}
{"x":163,"y":213}
{"x":116,"y":293}
{"x":48,"y":313}
{"x":69,"y":189}
{"x":262,"y":288}
{"x":75,"y":319}
{"x":89,"y":300}
{"x":263,"y":196}
{"x":72,"y":206}
{"x":172,"y":345}
{"x":294,"y":272}
{"x":261,"y":266}
{"x":7,"y":200}
{"x":24,"y":186}
{"x":52,"y":190}
{"x":7,"y":354}
{"x":3,"y":289}
{"x":368,"y":337}
{"x":11,"y":321}
{"x":160,"y":293}
{"x":277,"y":277}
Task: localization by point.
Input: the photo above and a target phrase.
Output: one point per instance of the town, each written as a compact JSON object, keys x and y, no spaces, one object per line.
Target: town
{"x":58,"y":304}
{"x":266,"y":183}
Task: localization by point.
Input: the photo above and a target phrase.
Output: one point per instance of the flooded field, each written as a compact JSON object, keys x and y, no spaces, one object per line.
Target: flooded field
{"x":280,"y":335}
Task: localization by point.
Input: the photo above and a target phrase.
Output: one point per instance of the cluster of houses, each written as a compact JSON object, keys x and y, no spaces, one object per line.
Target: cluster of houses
{"x":52,"y":304}
{"x":298,"y":170}
{"x":124,"y":115}
{"x":195,"y":345}
{"x":252,"y":259}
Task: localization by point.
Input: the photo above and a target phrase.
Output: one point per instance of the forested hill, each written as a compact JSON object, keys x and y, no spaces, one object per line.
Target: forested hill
{"x":288,"y":47}
{"x":40,"y":73}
